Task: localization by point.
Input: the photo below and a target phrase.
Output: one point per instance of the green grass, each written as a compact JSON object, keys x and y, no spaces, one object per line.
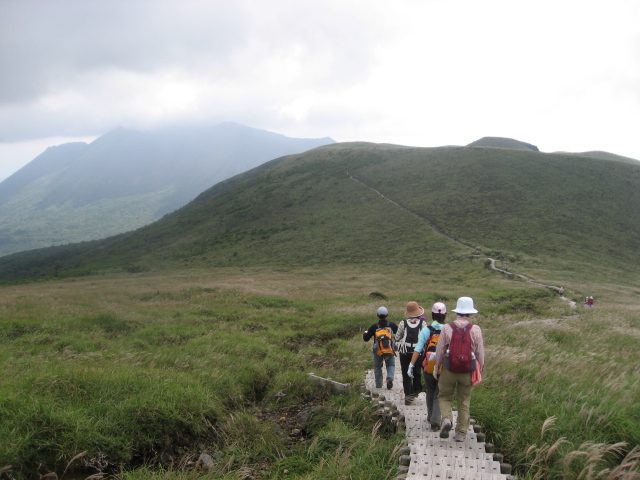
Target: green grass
{"x":139,"y":371}
{"x":138,"y":374}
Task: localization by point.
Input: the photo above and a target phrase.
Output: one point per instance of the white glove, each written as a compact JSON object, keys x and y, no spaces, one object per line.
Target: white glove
{"x":410,"y":370}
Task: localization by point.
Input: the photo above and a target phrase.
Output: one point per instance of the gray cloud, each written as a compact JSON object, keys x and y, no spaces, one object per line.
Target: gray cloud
{"x":73,"y":68}
{"x":49,"y":44}
{"x":419,"y":72}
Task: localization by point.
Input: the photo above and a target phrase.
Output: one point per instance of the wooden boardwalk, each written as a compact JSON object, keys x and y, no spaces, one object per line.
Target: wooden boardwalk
{"x":426,"y":456}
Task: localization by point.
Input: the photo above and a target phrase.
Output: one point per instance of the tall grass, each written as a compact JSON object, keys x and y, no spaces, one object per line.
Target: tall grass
{"x":140,"y":374}
{"x":141,"y":371}
{"x":587,"y":462}
{"x":576,"y":368}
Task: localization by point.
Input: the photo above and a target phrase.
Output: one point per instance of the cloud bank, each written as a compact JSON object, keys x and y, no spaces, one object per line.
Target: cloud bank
{"x":562,"y":75}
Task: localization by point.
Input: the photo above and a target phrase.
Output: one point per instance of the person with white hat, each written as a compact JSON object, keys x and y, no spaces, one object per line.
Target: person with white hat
{"x":458,"y":365}
{"x":427,"y":343}
{"x":388,"y":360}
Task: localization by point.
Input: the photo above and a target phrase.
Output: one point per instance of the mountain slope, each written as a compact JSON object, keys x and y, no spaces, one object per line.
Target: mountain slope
{"x":605,"y":156}
{"x":126,"y":179}
{"x":367,"y":203}
{"x":51,"y":162}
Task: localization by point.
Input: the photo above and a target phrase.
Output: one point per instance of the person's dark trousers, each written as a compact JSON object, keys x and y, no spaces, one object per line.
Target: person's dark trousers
{"x":433,"y":408}
{"x":411,"y":386}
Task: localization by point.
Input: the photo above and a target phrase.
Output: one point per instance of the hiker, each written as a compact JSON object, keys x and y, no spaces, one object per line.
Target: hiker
{"x":460,"y":351}
{"x":406,"y":339}
{"x":590,"y":301}
{"x":561,"y":291}
{"x":427,"y":343}
{"x":380,"y":356}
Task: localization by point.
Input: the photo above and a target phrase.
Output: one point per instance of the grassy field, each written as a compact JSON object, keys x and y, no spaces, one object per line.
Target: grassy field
{"x":138,"y":374}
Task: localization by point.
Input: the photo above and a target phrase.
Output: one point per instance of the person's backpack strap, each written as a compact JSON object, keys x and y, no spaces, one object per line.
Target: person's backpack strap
{"x":419,"y":327}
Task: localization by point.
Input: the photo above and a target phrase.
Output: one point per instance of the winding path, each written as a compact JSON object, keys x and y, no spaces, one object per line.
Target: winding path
{"x":473,"y":249}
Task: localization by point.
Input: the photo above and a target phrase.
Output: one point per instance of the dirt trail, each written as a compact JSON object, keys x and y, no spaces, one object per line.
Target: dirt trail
{"x":475,"y":250}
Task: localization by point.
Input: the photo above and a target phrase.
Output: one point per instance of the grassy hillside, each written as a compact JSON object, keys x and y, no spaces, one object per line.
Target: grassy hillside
{"x":538,"y":213}
{"x":529,"y":208}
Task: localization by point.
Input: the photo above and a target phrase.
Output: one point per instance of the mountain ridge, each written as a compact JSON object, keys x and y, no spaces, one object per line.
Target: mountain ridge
{"x":526,"y":208}
{"x":126,"y":179}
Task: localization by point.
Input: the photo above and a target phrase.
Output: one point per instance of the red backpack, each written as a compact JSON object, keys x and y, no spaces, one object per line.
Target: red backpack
{"x":461,"y":358}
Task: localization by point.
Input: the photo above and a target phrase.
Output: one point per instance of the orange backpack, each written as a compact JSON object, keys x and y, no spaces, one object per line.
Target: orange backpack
{"x":430,"y":353}
{"x":385,"y":342}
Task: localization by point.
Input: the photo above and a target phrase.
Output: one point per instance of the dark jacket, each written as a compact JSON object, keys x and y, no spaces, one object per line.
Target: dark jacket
{"x":380,"y":323}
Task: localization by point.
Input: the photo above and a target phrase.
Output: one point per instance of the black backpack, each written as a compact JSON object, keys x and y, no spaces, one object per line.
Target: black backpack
{"x":412,"y":334}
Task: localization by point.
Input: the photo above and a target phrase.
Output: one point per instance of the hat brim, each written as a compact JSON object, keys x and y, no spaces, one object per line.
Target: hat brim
{"x":408,"y":315}
{"x":465,"y":312}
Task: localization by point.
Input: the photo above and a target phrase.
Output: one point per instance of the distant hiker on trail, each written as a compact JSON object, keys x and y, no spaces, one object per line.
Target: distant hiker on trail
{"x":561,"y":290}
{"x":461,"y":351}
{"x":590,"y":301}
{"x":383,"y":334}
{"x":406,"y":339}
{"x":427,"y":343}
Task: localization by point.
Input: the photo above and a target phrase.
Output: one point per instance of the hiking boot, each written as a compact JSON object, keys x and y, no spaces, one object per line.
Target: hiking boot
{"x":408,"y":400}
{"x":444,"y":430}
{"x":389,"y":383}
{"x":435,"y":427}
{"x":459,"y":437}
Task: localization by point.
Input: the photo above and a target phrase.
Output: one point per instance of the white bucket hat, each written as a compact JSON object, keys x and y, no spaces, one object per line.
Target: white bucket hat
{"x":465,"y":306}
{"x":382,"y":311}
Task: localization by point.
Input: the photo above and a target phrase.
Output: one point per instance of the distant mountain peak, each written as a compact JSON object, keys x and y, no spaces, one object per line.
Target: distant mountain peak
{"x":128,"y":178}
{"x":502,"y":142}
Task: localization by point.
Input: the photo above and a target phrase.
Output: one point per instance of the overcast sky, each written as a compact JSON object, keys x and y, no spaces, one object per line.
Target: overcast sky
{"x":561,"y":74}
